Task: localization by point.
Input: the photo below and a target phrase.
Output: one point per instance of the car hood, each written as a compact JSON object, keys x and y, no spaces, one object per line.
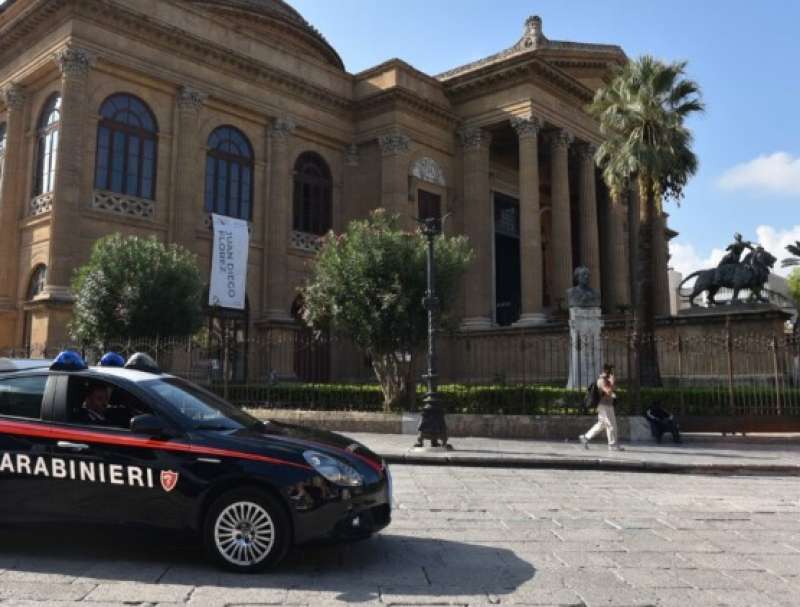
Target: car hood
{"x":288,"y":438}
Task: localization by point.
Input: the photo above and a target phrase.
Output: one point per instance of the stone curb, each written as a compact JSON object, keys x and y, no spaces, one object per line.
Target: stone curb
{"x":414,"y":459}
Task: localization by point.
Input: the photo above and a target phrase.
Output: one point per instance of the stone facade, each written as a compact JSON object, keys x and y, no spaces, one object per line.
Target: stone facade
{"x":503,"y":144}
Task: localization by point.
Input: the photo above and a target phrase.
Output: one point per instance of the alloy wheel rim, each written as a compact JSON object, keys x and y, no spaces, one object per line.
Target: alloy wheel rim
{"x":244,"y":533}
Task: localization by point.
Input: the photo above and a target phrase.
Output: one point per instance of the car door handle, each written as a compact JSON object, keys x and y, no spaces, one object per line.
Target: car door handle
{"x":72,"y":446}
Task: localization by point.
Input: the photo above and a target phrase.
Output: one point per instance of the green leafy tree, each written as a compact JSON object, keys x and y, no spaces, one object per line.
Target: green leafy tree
{"x":135,"y":287}
{"x":794,"y":286}
{"x":368,"y":284}
{"x":642,"y":112}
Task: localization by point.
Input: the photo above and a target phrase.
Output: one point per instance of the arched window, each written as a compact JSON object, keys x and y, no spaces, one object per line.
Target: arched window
{"x":313,"y":194}
{"x":126,"y":147}
{"x":2,"y":148}
{"x":35,"y":287}
{"x":47,"y":145}
{"x":37,"y":282}
{"x":229,"y":174}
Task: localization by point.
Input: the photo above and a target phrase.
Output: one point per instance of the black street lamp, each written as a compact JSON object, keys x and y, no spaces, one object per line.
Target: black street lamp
{"x":432,"y":425}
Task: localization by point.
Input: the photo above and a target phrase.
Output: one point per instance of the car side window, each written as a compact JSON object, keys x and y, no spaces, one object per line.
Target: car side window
{"x":92,"y":402}
{"x":22,"y":396}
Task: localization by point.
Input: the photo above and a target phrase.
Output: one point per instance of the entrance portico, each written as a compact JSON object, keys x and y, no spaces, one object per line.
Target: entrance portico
{"x":544,"y":179}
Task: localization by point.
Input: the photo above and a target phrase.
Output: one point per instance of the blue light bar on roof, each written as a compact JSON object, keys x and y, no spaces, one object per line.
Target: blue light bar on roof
{"x":68,"y":361}
{"x":112,"y":359}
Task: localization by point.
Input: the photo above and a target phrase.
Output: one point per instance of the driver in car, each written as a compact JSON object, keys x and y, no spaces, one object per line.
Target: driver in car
{"x":94,"y":407}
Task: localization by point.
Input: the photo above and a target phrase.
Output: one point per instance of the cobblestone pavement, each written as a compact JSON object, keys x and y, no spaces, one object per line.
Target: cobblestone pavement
{"x":467,"y":536}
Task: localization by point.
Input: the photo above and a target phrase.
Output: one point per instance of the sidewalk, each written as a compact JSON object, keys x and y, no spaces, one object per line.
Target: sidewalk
{"x":702,"y":454}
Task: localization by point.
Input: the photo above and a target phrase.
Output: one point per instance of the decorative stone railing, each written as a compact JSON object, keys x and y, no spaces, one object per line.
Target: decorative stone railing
{"x":209,"y":223}
{"x":42,"y":204}
{"x":310,"y":243}
{"x":122,"y":204}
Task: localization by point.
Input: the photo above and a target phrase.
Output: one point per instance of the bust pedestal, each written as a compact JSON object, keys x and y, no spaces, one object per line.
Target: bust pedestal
{"x":586,"y":348}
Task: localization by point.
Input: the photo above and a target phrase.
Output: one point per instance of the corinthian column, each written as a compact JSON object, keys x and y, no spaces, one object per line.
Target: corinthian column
{"x":587,"y":204}
{"x":10,"y":191}
{"x":188,"y":199}
{"x":660,"y":260}
{"x":478,"y":222}
{"x":74,"y":64}
{"x":394,"y":175}
{"x":530,"y":229}
{"x":561,"y":217}
{"x":278,"y":298}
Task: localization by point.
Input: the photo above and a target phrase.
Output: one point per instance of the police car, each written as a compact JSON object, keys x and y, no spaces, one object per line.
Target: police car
{"x":124,"y":443}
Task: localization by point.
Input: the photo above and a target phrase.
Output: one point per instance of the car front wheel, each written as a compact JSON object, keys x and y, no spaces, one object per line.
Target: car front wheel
{"x":247,"y":530}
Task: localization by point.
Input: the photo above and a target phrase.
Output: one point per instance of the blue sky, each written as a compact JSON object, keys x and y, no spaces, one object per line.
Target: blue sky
{"x":744,"y":54}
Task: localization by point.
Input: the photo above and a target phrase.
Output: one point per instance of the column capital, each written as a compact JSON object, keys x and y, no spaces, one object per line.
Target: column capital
{"x":282,"y":128}
{"x":190,"y":99}
{"x":526,"y":126}
{"x":561,"y":138}
{"x":73,"y":62}
{"x":474,"y":138}
{"x":351,"y":155}
{"x":15,"y":96}
{"x":394,"y":143}
{"x":586,"y":151}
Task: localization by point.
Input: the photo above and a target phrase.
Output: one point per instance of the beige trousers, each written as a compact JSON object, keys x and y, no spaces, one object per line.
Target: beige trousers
{"x":605,"y":419}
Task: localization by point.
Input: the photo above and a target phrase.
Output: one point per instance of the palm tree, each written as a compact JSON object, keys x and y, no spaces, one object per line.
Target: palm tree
{"x":794,"y":249}
{"x":642,"y":112}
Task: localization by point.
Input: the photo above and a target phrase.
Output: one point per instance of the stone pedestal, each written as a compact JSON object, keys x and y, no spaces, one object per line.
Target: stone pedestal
{"x":586,"y":352}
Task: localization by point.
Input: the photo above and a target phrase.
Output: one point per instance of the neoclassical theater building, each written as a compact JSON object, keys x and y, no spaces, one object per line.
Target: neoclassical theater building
{"x":143,"y":117}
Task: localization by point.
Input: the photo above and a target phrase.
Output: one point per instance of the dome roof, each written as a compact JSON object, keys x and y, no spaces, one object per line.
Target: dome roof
{"x":282,"y":14}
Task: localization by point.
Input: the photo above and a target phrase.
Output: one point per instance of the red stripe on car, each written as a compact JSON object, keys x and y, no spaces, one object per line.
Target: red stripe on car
{"x":56,"y":433}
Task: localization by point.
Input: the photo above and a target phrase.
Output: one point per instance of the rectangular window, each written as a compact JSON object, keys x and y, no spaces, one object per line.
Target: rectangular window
{"x":22,"y":396}
{"x":430,"y":205}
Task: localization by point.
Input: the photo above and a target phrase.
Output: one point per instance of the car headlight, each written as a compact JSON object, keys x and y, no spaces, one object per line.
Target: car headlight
{"x":334,"y":470}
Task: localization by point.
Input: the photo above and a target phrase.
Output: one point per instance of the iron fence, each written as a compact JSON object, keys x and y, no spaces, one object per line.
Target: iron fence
{"x":502,"y":372}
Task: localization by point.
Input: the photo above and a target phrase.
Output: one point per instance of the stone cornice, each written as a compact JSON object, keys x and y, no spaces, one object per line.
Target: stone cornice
{"x":195,"y":48}
{"x":21,"y":25}
{"x":398,"y":98}
{"x":525,"y":68}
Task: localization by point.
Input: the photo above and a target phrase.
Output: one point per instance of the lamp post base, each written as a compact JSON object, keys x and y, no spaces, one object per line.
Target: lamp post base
{"x":432,"y":424}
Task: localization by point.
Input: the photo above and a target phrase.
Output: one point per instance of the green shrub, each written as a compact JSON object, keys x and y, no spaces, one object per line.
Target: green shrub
{"x":499,"y":399}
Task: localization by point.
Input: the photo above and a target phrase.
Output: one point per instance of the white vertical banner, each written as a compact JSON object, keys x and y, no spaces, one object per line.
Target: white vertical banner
{"x":229,"y":263}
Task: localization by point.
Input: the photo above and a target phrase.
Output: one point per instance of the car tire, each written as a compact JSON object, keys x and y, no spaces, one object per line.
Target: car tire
{"x":247,"y":530}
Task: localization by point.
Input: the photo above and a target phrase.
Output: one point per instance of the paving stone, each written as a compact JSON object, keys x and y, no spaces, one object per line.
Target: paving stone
{"x":43,"y":591}
{"x":141,"y":593}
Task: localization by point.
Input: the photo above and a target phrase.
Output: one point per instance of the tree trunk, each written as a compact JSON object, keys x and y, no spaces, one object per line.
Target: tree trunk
{"x":646,"y":371}
{"x":396,"y":378}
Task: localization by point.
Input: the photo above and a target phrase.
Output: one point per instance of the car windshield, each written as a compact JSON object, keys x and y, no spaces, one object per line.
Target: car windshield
{"x":201,"y":409}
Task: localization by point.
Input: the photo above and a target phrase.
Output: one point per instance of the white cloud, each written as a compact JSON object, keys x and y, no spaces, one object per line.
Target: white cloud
{"x":777,"y":173}
{"x":775,"y":242}
{"x":685,"y":259}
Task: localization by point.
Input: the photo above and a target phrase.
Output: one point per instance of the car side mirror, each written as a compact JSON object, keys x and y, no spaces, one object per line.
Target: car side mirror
{"x":150,"y":425}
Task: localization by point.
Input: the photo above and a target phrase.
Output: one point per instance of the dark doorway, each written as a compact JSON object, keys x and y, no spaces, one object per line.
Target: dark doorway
{"x":508,"y":294}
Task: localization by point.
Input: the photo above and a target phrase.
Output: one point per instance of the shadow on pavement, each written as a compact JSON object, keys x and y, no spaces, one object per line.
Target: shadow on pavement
{"x":387,"y":564}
